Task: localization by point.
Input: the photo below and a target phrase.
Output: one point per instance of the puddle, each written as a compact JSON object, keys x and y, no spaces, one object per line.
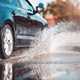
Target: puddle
{"x":29,"y":71}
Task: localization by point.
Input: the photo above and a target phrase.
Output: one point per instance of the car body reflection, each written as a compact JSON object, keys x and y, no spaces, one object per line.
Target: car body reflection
{"x":25,"y":71}
{"x":17,"y":71}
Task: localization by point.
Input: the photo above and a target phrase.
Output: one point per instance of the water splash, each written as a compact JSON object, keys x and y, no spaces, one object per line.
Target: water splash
{"x":49,"y":38}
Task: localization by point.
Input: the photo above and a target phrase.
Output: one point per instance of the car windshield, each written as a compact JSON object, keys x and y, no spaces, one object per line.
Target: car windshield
{"x":24,"y":4}
{"x":33,"y":3}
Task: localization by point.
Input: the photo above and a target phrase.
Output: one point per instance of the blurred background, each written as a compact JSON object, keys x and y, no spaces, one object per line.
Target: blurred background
{"x":60,"y":10}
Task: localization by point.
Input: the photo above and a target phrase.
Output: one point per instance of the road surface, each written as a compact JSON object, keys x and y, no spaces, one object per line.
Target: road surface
{"x":56,"y":58}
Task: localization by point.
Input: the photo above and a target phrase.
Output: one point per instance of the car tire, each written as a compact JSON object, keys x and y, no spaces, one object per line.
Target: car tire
{"x":7,"y":41}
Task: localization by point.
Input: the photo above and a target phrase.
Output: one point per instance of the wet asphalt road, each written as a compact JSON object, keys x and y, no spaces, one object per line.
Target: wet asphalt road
{"x":59,"y":60}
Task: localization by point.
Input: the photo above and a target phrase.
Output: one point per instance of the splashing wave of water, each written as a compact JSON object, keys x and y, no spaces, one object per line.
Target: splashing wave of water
{"x":49,"y":38}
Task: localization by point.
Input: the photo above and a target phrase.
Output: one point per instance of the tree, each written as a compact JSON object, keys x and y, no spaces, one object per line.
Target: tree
{"x":64,"y":9}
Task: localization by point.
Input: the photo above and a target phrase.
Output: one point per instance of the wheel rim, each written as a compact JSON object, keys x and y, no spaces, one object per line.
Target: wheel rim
{"x":7,"y":41}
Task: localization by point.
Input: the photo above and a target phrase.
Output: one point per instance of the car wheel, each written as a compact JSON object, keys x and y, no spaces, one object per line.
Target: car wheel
{"x":7,"y":41}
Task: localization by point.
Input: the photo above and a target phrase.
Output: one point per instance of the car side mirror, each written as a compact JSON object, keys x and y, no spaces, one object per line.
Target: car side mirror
{"x":39,"y":8}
